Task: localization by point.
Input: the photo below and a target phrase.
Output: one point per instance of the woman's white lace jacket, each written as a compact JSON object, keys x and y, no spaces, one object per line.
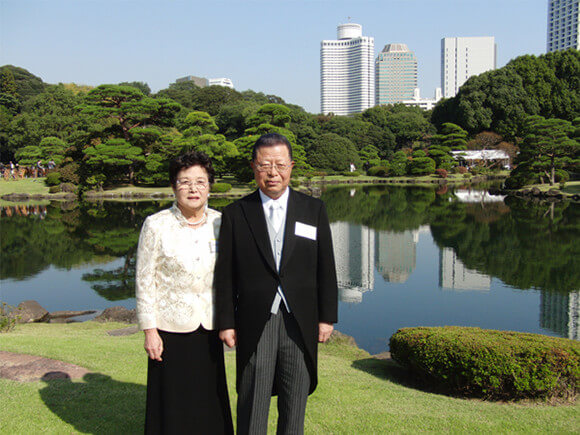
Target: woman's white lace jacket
{"x":174,"y":282}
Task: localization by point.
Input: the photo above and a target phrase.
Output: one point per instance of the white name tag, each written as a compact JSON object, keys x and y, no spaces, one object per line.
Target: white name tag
{"x":304,"y":230}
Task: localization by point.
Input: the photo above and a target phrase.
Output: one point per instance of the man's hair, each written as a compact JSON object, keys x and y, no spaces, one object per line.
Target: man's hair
{"x":270,"y":140}
{"x":188,"y":160}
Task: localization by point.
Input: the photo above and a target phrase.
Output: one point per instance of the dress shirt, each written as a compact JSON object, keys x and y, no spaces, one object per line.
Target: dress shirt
{"x":282,"y":204}
{"x":175,"y":265}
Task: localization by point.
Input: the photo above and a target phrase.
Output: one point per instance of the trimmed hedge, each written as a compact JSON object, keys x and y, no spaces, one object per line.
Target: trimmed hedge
{"x":52,"y":179}
{"x":221,"y":187}
{"x":490,"y":364}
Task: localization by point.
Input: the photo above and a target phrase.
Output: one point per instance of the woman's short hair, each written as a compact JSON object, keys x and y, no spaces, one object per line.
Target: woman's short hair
{"x":188,"y":160}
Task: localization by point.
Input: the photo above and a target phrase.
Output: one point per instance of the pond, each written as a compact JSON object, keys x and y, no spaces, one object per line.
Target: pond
{"x":406,"y":256}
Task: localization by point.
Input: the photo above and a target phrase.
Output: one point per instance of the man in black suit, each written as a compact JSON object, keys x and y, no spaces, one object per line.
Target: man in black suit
{"x":276,"y":291}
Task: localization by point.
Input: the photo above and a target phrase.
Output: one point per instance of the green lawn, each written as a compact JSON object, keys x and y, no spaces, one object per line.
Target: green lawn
{"x":28,"y":185}
{"x":356,"y":394}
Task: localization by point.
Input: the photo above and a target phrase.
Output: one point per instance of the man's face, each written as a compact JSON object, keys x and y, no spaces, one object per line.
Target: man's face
{"x":268,"y":173}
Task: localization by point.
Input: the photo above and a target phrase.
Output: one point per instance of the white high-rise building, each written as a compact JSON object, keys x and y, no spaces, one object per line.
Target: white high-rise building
{"x":462,"y":58}
{"x":347,"y":73}
{"x":563,"y":23}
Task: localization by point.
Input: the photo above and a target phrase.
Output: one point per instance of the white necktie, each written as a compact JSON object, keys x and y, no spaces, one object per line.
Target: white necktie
{"x":275,"y":215}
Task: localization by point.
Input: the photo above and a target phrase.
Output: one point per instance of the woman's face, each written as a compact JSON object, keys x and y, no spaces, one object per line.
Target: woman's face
{"x":192,"y":188}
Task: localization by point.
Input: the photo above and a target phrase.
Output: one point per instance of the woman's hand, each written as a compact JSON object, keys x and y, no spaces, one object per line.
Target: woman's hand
{"x":153,"y":344}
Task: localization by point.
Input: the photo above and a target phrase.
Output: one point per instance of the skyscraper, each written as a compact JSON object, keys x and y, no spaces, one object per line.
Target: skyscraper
{"x":563,"y":23}
{"x":396,"y":74}
{"x":462,"y":58}
{"x":347,"y":77}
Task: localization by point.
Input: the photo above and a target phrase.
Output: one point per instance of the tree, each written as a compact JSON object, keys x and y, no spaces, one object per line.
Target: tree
{"x":142,"y":86}
{"x":27,"y":84}
{"x":221,"y":151}
{"x":369,"y":155}
{"x":274,"y":114}
{"x":420,"y":164}
{"x":398,"y":165}
{"x":442,"y":156}
{"x":128,"y":108}
{"x":547,"y":146}
{"x":50,"y":148}
{"x":452,"y":136}
{"x":332,"y":152}
{"x":197,"y":123}
{"x":115,"y":158}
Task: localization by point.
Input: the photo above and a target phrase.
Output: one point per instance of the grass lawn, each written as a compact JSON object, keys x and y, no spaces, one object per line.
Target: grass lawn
{"x":356,"y":393}
{"x":571,"y":187}
{"x":28,"y":185}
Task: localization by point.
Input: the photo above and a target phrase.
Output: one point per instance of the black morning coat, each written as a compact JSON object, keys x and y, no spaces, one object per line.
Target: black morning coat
{"x":246,"y":278}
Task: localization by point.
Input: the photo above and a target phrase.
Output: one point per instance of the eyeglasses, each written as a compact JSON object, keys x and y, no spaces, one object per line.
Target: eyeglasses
{"x":188,"y":184}
{"x":266,"y":167}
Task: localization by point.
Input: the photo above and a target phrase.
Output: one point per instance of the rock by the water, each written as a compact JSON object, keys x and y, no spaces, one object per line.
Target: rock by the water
{"x":30,"y":312}
{"x":68,"y":314}
{"x":117,"y":314}
{"x":338,"y":336}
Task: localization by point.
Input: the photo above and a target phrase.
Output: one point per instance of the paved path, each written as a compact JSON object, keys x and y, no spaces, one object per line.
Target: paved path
{"x":29,"y":368}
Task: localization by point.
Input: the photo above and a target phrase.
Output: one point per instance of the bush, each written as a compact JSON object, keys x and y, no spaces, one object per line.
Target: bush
{"x":467,"y":175}
{"x":52,"y":179}
{"x":351,"y":174}
{"x":378,"y":171}
{"x":69,"y":173}
{"x":54,"y":189}
{"x":7,"y":317}
{"x":441,"y":172}
{"x":490,"y":364}
{"x":460,"y":170}
{"x":68,"y":188}
{"x":221,"y":187}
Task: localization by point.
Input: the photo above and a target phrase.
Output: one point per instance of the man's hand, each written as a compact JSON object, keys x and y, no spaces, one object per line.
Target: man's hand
{"x":228,"y":336}
{"x":153,"y":344}
{"x":324,"y":331}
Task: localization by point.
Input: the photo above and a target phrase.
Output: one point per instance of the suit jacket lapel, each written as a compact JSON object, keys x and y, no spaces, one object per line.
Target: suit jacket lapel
{"x":254,"y":212}
{"x":289,"y":237}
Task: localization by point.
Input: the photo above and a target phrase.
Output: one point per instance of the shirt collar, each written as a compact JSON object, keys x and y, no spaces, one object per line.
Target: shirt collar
{"x":179,"y":215}
{"x":282,"y":201}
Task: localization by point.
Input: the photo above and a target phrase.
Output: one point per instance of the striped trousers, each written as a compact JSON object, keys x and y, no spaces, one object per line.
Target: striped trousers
{"x":280,"y":361}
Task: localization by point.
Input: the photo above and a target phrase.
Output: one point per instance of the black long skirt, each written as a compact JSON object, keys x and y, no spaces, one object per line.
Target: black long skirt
{"x":187,"y":391}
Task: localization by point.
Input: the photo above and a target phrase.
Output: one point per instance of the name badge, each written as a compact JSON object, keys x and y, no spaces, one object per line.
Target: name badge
{"x":213,"y":246}
{"x":304,"y":230}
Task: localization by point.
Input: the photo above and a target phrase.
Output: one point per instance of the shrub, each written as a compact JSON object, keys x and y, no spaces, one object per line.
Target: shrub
{"x":69,"y":173}
{"x":52,"y":179}
{"x":460,"y":170}
{"x":221,"y":187}
{"x":561,"y":176}
{"x":351,"y":174}
{"x":7,"y":317}
{"x":490,"y":364}
{"x":441,"y":172}
{"x":467,"y":175}
{"x":295,"y":183}
{"x":377,"y":171}
{"x":54,"y":189}
{"x":68,"y":188}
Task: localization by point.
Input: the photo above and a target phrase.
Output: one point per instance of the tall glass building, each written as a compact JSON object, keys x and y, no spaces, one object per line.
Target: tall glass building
{"x":347,"y":77}
{"x":395,"y":74}
{"x":563,"y":23}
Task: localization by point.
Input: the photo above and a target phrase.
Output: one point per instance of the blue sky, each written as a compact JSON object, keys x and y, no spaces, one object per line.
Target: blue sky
{"x":268,"y":46}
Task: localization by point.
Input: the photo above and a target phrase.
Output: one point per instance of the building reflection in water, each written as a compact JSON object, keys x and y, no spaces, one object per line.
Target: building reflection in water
{"x":454,"y":275}
{"x":359,"y":250}
{"x":560,"y":313}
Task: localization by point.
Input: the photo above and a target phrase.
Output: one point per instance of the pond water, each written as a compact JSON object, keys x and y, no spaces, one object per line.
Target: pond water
{"x":406,"y":256}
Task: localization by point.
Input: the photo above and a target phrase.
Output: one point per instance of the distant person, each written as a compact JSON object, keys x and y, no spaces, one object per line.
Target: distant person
{"x":276,"y":291}
{"x":186,"y":382}
{"x":352,"y":167}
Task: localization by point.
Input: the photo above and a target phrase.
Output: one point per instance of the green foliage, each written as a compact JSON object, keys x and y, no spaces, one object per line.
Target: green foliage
{"x":142,"y":86}
{"x":221,"y":151}
{"x":197,"y":123}
{"x":398,"y":166}
{"x":350,"y":174}
{"x":19,"y":82}
{"x":442,"y":173}
{"x":490,"y":364}
{"x":52,"y":179}
{"x":502,"y":99}
{"x":452,"y":137}
{"x":442,"y":156}
{"x":332,"y":152}
{"x":221,"y":187}
{"x":378,"y":171}
{"x":370,"y":155}
{"x":273,"y":114}
{"x":7,"y":317}
{"x":421,"y":166}
{"x":549,"y":145}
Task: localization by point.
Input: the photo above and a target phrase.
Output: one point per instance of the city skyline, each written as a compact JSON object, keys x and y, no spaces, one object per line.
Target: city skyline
{"x":266,"y":47}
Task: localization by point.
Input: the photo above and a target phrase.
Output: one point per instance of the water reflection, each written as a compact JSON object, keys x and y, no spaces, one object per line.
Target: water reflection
{"x":405,"y":257}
